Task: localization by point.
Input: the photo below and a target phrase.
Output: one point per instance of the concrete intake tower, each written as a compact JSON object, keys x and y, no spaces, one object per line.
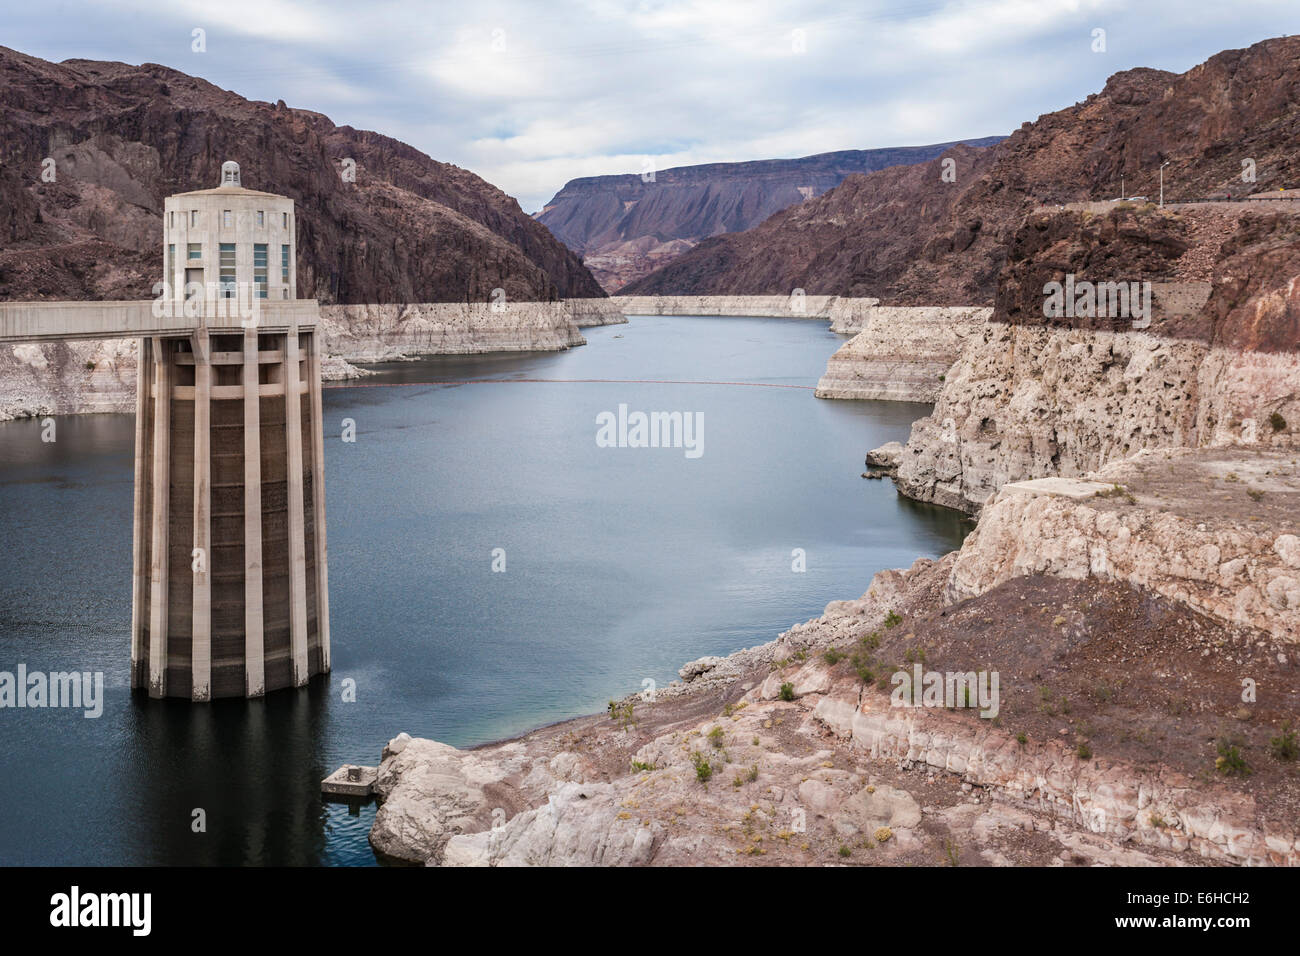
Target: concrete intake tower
{"x":231,"y":584}
{"x":231,"y":581}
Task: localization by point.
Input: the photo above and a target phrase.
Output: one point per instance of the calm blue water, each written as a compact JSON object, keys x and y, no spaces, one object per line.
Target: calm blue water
{"x":621,"y":564}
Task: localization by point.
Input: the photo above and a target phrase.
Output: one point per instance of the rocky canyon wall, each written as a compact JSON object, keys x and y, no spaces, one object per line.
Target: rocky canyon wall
{"x":1213,"y":360}
{"x":383,"y":333}
{"x":64,"y":378}
{"x":1214,"y":529}
{"x":1023,"y":403}
{"x":899,"y":353}
{"x":775,"y":306}
{"x":627,"y":225}
{"x":403,"y":228}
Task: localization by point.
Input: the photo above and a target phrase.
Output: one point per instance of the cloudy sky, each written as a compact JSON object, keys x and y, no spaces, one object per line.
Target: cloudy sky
{"x":532,"y":94}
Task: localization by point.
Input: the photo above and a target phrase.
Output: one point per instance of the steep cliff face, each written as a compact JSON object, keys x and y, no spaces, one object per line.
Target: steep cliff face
{"x":625,"y":226}
{"x":385,"y":333}
{"x":1239,"y":105}
{"x":1211,"y":528}
{"x":900,"y":354}
{"x":1035,"y":396}
{"x":1244,"y":254}
{"x":409,"y":229}
{"x":61,"y":378}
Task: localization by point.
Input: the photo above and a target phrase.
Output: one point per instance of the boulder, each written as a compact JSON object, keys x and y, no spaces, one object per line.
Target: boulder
{"x":579,"y":825}
{"x":877,"y":806}
{"x":688,"y":672}
{"x":886,"y":457}
{"x":430,"y":792}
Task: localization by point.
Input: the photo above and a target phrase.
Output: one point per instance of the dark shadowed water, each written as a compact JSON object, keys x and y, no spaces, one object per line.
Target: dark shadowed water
{"x":620,"y":565}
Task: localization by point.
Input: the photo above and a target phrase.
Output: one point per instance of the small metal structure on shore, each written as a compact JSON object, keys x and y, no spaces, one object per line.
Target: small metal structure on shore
{"x":351,"y":782}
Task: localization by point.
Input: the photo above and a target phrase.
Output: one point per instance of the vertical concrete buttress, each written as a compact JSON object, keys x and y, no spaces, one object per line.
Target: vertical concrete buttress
{"x":160,"y":483}
{"x":318,"y":508}
{"x":141,"y":528}
{"x":230,"y":583}
{"x":201,"y":555}
{"x":254,"y":668}
{"x":297,"y":528}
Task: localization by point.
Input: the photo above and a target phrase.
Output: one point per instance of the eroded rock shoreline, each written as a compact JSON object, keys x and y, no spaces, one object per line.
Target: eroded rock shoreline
{"x":1091,"y":759}
{"x":1135,"y":562}
{"x":899,"y":354}
{"x":1133,"y":579}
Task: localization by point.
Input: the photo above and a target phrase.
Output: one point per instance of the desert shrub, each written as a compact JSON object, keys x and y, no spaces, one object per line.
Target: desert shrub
{"x":1230,"y":762}
{"x":703,"y":769}
{"x":1285,"y":747}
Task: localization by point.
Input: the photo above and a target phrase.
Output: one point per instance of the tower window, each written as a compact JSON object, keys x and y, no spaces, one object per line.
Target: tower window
{"x":227,"y":218}
{"x":261,"y":219}
{"x":284,"y":264}
{"x":194,"y":218}
{"x":171,"y":263}
{"x":171,"y":220}
{"x":194,"y":250}
{"x":286,"y":219}
{"x":227,"y":273}
{"x":259,"y":269}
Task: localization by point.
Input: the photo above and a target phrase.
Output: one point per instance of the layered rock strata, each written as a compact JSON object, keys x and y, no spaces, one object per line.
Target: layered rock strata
{"x":1033,"y":402}
{"x":793,"y":306}
{"x":67,"y":378}
{"x":900,"y":354}
{"x":382,"y":333}
{"x":1217,"y":530}
{"x":626,"y":225}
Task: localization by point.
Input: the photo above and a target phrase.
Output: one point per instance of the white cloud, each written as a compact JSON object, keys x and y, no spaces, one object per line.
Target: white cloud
{"x":529,"y":95}
{"x":278,"y":20}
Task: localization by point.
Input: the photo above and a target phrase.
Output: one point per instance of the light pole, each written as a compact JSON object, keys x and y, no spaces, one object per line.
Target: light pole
{"x":1162,"y":182}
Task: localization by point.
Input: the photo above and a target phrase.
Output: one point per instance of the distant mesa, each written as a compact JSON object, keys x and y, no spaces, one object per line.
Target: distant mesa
{"x":625,"y":227}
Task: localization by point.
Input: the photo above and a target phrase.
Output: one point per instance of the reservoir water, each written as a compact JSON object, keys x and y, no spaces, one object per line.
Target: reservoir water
{"x":620,"y":564}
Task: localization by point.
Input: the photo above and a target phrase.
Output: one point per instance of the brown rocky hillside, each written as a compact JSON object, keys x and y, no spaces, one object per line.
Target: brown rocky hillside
{"x":1247,"y":252}
{"x":907,"y":237}
{"x":410,"y":229}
